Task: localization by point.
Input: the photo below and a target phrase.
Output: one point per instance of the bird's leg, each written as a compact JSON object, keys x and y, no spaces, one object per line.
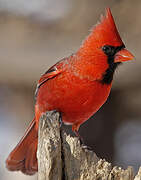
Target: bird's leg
{"x":79,"y":137}
{"x":75,"y":128}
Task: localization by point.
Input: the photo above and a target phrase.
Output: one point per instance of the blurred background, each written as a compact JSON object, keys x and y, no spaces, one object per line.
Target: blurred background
{"x":33,"y":36}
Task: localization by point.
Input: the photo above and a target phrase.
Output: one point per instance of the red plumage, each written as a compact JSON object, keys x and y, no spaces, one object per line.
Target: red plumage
{"x":76,"y":86}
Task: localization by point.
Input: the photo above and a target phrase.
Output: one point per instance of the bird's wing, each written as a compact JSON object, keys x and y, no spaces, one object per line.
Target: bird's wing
{"x":52,"y":72}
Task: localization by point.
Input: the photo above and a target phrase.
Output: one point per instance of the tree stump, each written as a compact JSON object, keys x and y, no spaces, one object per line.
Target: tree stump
{"x":61,"y":157}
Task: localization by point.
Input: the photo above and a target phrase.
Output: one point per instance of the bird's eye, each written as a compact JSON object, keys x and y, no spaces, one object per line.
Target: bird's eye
{"x":108,"y":50}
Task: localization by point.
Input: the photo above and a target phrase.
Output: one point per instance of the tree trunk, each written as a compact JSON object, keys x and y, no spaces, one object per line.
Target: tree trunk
{"x":61,"y":157}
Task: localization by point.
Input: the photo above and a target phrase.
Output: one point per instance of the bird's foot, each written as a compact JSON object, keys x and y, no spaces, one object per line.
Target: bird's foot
{"x":79,"y":137}
{"x":82,"y":142}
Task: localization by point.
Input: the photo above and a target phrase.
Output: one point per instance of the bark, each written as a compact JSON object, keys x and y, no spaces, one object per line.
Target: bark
{"x":61,"y":157}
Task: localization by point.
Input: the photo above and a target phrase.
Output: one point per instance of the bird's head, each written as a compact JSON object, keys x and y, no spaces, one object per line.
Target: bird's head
{"x":104,"y":41}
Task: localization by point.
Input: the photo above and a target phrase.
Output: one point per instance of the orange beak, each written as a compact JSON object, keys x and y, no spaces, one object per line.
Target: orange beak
{"x":123,"y":55}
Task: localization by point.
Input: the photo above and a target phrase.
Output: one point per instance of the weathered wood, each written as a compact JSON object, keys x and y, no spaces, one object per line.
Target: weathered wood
{"x":49,"y":148}
{"x":61,"y":157}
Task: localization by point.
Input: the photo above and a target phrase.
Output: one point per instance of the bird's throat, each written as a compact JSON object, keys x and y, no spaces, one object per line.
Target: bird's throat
{"x":108,"y":75}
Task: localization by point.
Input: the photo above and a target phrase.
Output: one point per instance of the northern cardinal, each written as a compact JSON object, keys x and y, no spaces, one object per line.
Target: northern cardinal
{"x":77,"y":86}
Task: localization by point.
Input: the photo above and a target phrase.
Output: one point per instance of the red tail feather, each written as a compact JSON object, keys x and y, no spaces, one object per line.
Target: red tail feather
{"x":23,"y":157}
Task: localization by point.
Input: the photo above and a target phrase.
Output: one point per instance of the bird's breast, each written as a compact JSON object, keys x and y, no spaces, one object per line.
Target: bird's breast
{"x":75,"y":98}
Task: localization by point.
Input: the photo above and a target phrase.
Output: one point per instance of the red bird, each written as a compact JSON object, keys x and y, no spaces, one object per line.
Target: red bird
{"x":76,"y":86}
